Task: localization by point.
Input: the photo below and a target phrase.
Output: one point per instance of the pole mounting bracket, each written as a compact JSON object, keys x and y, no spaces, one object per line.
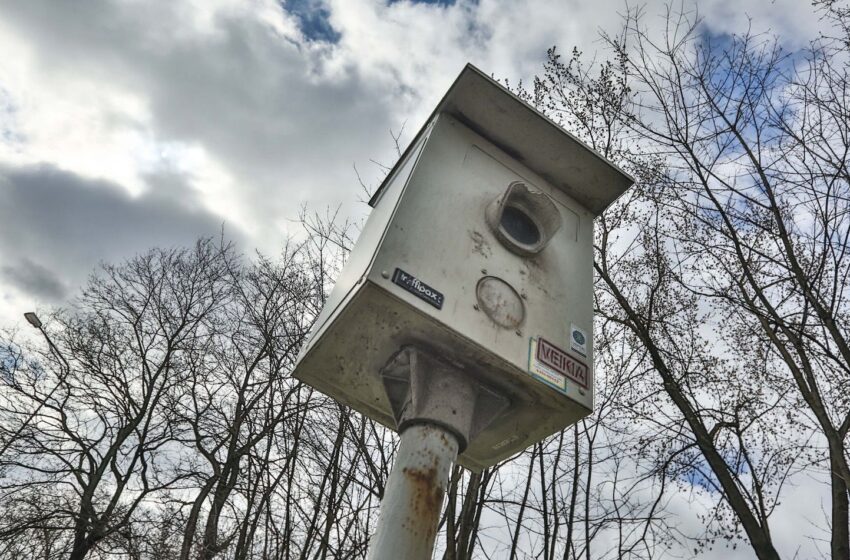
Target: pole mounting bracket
{"x":424,"y":389}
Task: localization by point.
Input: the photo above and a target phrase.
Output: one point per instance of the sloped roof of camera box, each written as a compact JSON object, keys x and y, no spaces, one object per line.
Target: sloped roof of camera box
{"x":525,"y":134}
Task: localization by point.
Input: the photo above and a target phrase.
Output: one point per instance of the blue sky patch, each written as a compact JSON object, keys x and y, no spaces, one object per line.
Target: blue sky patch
{"x":436,"y":2}
{"x":313,"y":19}
{"x":695,"y":471}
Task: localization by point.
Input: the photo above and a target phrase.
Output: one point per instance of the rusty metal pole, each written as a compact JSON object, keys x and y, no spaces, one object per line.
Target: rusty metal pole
{"x":413,"y":497}
{"x":438,"y":408}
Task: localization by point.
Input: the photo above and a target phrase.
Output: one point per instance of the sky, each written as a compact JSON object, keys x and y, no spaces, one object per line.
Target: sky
{"x":128,"y":124}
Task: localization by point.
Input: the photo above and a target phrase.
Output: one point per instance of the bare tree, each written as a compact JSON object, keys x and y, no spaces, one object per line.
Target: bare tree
{"x":168,"y":390}
{"x":728,"y":422}
{"x":237,"y":393}
{"x":95,"y":432}
{"x":756,"y":146}
{"x":739,"y":221}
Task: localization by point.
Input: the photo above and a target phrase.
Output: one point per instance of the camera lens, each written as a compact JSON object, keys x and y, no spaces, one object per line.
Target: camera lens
{"x":519,"y":226}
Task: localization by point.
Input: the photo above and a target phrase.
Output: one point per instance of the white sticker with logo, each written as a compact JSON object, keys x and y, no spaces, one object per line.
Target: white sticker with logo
{"x":578,"y":340}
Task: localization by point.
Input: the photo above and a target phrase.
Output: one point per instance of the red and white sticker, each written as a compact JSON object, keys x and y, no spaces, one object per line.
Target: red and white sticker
{"x":554,"y":366}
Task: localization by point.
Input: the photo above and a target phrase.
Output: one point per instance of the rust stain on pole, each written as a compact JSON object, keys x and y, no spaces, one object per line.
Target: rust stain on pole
{"x":428,"y":494}
{"x":410,"y":510}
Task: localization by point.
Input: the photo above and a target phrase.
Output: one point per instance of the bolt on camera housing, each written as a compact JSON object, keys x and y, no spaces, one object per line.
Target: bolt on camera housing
{"x":475,"y":265}
{"x":523,"y":219}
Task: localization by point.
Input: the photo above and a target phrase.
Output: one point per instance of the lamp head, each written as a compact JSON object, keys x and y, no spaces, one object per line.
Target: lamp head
{"x":32,"y":319}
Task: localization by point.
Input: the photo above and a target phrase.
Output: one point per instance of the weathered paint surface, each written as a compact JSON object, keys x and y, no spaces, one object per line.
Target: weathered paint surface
{"x":413,"y":498}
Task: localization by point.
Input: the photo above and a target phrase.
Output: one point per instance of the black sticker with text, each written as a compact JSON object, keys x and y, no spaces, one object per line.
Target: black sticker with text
{"x":418,"y":288}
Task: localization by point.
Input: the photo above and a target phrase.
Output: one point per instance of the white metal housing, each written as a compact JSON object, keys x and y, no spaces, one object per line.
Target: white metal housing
{"x":430,"y":225}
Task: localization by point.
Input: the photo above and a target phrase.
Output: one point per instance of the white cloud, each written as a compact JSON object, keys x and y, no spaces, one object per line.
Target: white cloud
{"x":257,"y":116}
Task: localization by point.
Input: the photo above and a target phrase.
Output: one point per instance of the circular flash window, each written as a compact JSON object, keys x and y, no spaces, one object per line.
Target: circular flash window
{"x":523,"y":219}
{"x":520,"y":226}
{"x":499,"y":301}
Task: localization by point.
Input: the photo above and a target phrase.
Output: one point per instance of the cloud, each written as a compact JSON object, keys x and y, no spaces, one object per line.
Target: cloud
{"x":269,"y":124}
{"x":262,"y":106}
{"x":56,"y":226}
{"x":28,"y":276}
{"x":267,"y":105}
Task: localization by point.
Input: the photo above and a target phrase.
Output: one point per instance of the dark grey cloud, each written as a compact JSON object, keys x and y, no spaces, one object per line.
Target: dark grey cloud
{"x":33,"y":278}
{"x":55,"y":226}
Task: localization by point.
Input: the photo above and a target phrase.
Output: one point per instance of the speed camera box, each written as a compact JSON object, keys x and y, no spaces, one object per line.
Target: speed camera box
{"x":479,"y":247}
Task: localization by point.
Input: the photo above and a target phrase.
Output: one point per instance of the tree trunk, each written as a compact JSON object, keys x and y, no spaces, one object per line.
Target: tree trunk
{"x":192,"y":521}
{"x":840,"y":542}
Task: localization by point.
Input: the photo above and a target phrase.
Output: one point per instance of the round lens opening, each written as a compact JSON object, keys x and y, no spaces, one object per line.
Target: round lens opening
{"x":519,"y":226}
